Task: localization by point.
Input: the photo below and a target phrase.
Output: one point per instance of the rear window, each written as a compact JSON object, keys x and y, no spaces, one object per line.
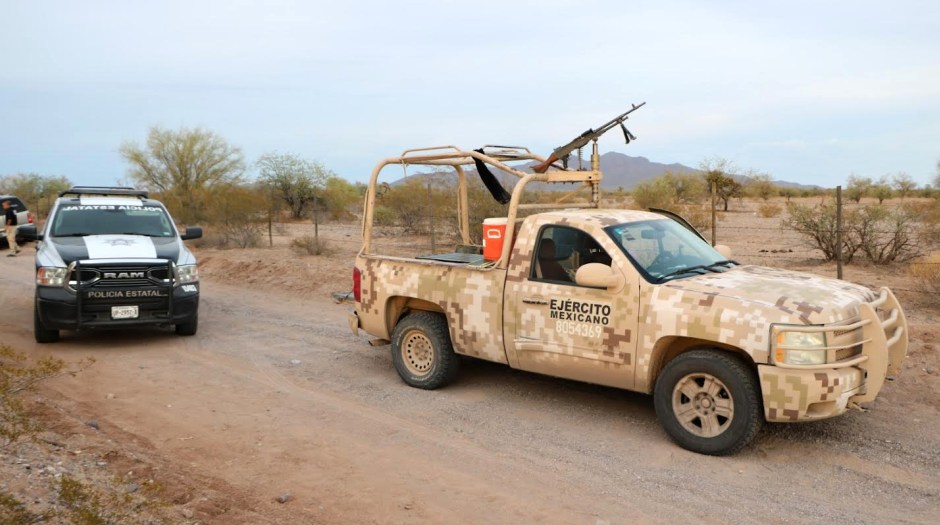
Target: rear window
{"x":81,"y":220}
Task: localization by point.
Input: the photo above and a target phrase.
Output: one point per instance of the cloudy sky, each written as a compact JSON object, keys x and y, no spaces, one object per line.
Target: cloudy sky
{"x":806,"y":91}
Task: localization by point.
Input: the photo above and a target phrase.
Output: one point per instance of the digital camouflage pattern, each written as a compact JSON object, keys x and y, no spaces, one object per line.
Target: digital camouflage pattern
{"x":622,"y":336}
{"x":471,"y":298}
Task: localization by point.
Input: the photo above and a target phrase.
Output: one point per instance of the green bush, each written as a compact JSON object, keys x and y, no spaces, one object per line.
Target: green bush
{"x":655,"y":193}
{"x":670,"y":190}
{"x":238,"y":216}
{"x":384,"y":216}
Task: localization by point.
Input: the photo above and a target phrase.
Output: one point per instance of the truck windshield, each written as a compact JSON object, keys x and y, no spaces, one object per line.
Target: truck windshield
{"x":663,"y":249}
{"x":79,"y":221}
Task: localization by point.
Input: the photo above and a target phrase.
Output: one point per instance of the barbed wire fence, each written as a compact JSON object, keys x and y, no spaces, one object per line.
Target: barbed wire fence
{"x":436,"y":228}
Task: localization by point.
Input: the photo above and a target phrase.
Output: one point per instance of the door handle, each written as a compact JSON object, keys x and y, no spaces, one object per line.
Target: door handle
{"x":534,"y":300}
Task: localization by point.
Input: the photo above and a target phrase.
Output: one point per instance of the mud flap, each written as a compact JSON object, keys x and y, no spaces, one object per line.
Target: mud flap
{"x":353,"y":319}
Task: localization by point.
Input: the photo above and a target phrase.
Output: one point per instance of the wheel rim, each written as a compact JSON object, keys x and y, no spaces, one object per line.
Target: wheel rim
{"x":417,"y":352}
{"x":703,"y":405}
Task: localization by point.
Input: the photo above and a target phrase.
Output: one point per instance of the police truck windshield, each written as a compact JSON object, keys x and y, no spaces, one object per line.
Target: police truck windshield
{"x":79,"y":221}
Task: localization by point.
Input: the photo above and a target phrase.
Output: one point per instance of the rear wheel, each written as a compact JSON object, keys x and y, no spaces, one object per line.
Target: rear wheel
{"x":709,"y":402}
{"x":422,"y":351}
{"x":42,"y":334}
{"x":189,"y":327}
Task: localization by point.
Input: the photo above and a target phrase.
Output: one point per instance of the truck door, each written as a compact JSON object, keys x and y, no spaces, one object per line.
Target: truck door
{"x":555,"y":326}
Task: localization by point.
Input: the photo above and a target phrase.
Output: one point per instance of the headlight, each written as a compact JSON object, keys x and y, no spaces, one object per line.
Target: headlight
{"x":188,"y":273}
{"x":800,"y":348}
{"x":51,"y":275}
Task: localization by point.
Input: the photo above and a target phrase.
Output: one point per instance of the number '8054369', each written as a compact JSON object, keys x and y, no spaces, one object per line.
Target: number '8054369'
{"x":576,"y":328}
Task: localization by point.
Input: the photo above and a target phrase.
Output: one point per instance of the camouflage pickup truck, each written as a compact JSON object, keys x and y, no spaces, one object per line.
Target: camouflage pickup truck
{"x":630,"y":299}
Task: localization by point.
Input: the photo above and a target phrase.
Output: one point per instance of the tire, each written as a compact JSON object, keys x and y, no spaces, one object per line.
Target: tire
{"x":189,"y":327}
{"x":42,"y":334}
{"x":709,"y":402}
{"x":422,"y":351}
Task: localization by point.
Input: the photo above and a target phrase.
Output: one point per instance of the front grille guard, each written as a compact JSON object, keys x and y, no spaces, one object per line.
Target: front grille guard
{"x":882,"y":347}
{"x":77,"y":286}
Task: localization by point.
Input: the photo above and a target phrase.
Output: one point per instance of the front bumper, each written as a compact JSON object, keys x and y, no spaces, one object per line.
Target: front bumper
{"x":873,"y":346}
{"x":806,"y":395}
{"x":59,"y":309}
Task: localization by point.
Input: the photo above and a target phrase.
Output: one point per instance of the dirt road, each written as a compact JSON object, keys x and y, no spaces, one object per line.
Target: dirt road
{"x":275,"y":397}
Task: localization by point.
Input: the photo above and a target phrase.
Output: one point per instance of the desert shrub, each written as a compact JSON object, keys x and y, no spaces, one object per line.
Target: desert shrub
{"x":241,"y":235}
{"x":410,"y":205}
{"x":887,"y":235}
{"x":408,"y":201}
{"x":670,"y":190}
{"x":884,"y":235}
{"x":761,"y":186}
{"x":310,"y":245}
{"x":481,"y":206}
{"x":383,"y":216}
{"x":769,"y":209}
{"x":338,"y":196}
{"x":882,"y":191}
{"x":818,"y":225}
{"x":698,"y":216}
{"x":690,"y":188}
{"x":929,"y":214}
{"x":858,"y":187}
{"x":238,"y":215}
{"x":655,"y":193}
{"x":926,"y":272}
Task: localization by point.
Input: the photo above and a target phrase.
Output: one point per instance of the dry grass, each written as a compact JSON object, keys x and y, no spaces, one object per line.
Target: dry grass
{"x":310,"y":245}
{"x":925,"y":271}
{"x":769,"y":209}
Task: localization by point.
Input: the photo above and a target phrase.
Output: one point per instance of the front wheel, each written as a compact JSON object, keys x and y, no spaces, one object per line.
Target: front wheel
{"x":42,"y":334}
{"x":422,"y":351}
{"x":189,"y":327}
{"x":709,"y":402}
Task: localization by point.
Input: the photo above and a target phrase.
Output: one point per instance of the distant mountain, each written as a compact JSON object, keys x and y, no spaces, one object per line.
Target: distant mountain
{"x":624,"y":171}
{"x":620,"y":171}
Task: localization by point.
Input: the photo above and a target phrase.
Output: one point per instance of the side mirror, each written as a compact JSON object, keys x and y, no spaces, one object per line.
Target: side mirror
{"x":597,"y":275}
{"x":192,"y":232}
{"x":724,"y":250}
{"x":28,"y":232}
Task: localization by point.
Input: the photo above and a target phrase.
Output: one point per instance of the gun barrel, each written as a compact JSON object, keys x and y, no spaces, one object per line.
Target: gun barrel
{"x":581,"y":140}
{"x":621,"y":118}
{"x":592,"y":134}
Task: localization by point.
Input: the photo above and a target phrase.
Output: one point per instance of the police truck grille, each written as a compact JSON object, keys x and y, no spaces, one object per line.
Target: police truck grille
{"x":124,"y":276}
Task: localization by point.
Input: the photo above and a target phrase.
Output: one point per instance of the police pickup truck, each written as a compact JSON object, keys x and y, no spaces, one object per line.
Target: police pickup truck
{"x":626,"y":298}
{"x":111,"y":257}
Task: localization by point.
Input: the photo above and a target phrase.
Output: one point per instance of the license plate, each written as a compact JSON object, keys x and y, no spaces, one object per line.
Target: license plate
{"x":124,"y":312}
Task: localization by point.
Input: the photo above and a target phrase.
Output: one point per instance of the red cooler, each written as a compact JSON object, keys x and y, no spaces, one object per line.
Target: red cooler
{"x":494,"y":230}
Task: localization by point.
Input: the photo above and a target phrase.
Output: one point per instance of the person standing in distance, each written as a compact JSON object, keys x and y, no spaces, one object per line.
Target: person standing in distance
{"x":9,"y":225}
